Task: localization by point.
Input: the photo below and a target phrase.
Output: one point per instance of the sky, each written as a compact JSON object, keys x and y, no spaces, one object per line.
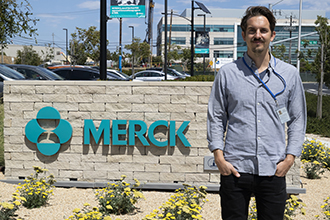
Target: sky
{"x":55,"y":15}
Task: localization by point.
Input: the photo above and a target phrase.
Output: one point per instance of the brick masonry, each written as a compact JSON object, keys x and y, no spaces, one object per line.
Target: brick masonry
{"x":96,"y":100}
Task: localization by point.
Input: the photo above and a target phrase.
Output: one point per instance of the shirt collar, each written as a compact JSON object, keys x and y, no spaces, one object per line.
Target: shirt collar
{"x":251,"y":63}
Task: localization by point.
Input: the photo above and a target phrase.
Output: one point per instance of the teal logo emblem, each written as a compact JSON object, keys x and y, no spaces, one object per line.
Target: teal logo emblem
{"x":60,"y":131}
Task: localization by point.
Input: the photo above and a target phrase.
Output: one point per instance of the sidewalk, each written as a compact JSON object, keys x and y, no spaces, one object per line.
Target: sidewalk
{"x":323,"y":140}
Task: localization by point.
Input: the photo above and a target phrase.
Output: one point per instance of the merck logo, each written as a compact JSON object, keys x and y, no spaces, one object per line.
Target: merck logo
{"x":59,"y":133}
{"x":48,"y":131}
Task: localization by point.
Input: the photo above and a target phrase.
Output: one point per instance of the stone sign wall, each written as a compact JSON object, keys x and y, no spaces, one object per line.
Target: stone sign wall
{"x":119,"y":103}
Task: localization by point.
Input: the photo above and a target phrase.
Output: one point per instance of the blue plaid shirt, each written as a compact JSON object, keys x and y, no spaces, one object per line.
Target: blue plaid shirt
{"x":243,"y":112}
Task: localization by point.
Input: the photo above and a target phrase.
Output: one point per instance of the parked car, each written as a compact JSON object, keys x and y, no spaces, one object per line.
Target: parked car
{"x":77,"y":73}
{"x":8,"y":74}
{"x":63,"y":66}
{"x":170,"y":71}
{"x":120,"y":74}
{"x":35,"y":72}
{"x":151,"y":75}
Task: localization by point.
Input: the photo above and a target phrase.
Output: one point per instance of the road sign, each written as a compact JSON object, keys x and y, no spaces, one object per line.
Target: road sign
{"x":311,"y":42}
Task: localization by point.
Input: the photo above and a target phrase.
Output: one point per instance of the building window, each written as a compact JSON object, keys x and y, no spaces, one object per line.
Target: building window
{"x":223,"y":54}
{"x":223,"y":41}
{"x":222,"y":28}
{"x":177,"y":40}
{"x":199,"y":27}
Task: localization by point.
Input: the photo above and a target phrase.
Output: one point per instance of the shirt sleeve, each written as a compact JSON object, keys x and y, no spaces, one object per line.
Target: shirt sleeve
{"x":217,"y":115}
{"x":298,"y":117}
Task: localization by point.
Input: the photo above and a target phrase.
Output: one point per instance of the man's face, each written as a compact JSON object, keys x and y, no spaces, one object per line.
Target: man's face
{"x":258,"y":34}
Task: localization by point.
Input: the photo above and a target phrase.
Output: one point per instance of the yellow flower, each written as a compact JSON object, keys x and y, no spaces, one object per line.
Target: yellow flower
{"x":76,"y":210}
{"x":86,"y":204}
{"x":109,"y":207}
{"x":107,"y":218}
{"x":17,"y":203}
{"x":127,"y":189}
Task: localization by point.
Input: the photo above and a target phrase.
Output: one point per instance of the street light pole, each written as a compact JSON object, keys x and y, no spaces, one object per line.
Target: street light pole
{"x":103,"y":39}
{"x":165,"y":46}
{"x":204,"y":33}
{"x":132,"y":51}
{"x":192,"y":39}
{"x":66,"y":46}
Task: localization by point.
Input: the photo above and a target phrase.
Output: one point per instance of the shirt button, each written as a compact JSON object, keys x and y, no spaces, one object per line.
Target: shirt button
{"x":258,"y":120}
{"x":258,"y":103}
{"x":258,"y":138}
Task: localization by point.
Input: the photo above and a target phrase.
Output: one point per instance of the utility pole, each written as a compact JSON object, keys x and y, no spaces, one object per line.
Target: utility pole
{"x":133,"y":73}
{"x":299,"y":35}
{"x":192,"y":43}
{"x":120,"y":44}
{"x":165,"y":38}
{"x":169,"y":38}
{"x":53,"y":46}
{"x":66,"y":45}
{"x":290,"y":40}
{"x":290,"y":28}
{"x":204,"y":35}
{"x":103,"y":39}
{"x":150,"y":22}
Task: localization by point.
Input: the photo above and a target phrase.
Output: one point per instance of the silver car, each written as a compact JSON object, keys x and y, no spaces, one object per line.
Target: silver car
{"x":151,"y":75}
{"x":8,"y":74}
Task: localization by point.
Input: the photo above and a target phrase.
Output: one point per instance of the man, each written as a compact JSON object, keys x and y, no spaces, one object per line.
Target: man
{"x":252,"y":100}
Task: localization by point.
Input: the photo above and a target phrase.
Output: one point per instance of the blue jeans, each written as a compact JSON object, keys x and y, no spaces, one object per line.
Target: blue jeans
{"x":269,"y":191}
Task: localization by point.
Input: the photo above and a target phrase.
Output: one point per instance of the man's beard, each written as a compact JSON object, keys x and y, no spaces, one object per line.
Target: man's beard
{"x":258,"y":49}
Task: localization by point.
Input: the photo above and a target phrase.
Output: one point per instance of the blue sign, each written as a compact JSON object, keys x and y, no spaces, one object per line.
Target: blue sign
{"x":127,"y":9}
{"x":63,"y":131}
{"x":202,"y":50}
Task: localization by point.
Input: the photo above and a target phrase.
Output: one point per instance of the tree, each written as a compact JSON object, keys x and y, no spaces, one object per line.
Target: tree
{"x":320,"y":66}
{"x":157,"y":60}
{"x":15,"y":20}
{"x":48,"y":54}
{"x":173,"y":54}
{"x":28,"y":56}
{"x":77,"y":51}
{"x":139,"y":50}
{"x":278,"y":51}
{"x":186,"y":58}
{"x":86,"y":43}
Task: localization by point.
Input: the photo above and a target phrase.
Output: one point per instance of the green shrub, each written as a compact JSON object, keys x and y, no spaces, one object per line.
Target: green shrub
{"x":118,"y":198}
{"x":315,"y":125}
{"x":35,"y":190}
{"x":88,"y":213}
{"x":186,"y":204}
{"x":209,"y":78}
{"x":315,"y":157}
{"x":326,"y":208}
{"x":292,"y":205}
{"x":8,"y":209}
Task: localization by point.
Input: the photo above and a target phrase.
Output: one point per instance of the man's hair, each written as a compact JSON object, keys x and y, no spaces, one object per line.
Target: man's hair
{"x":253,"y":11}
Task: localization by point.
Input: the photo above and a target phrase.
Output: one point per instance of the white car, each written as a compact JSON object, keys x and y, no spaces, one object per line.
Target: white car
{"x":151,"y":75}
{"x":121,"y":75}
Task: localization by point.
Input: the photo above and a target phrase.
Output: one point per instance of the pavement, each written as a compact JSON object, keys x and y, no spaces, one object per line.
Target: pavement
{"x":312,"y":87}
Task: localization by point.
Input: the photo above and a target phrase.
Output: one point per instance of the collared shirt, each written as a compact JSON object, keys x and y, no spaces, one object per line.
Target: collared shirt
{"x":242,"y":108}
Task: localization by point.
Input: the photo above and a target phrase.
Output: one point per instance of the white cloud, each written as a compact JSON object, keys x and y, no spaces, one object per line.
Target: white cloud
{"x":54,"y":16}
{"x":90,"y":5}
